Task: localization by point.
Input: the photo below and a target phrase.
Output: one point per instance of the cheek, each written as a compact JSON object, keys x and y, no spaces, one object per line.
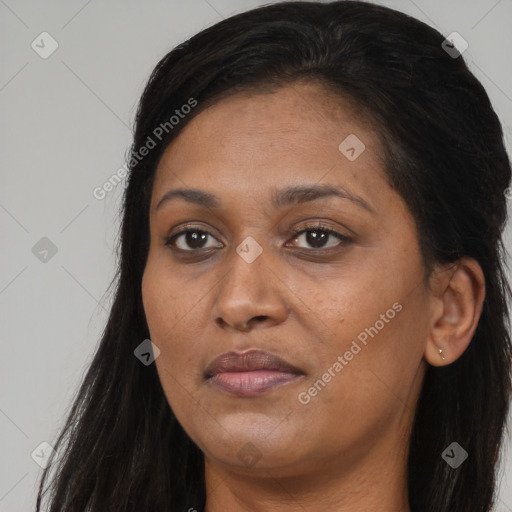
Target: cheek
{"x":164,"y":308}
{"x":167,"y":305}
{"x":176,"y":327}
{"x":158,"y":296}
{"x":377,"y":324}
{"x":369,"y":391}
{"x":381,"y":350}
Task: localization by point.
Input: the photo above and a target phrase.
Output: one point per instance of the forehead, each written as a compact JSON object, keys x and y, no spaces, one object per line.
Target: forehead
{"x":290,"y":135}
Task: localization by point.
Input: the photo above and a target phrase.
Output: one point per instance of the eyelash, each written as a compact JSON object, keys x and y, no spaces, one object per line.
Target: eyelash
{"x":294,"y":234}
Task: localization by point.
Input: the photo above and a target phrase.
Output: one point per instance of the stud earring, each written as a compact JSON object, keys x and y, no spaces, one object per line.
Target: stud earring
{"x":441,"y":354}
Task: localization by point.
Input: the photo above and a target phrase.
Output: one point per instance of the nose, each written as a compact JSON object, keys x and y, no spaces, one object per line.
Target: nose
{"x":251,"y":293}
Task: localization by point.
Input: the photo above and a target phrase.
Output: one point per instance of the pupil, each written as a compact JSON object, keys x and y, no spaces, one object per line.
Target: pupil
{"x":193,"y":237}
{"x":316,"y":238}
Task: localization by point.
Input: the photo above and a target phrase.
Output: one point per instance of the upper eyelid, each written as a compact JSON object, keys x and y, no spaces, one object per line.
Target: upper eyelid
{"x":294,"y":232}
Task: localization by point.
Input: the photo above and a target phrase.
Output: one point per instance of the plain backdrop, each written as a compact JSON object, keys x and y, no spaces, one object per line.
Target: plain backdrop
{"x":65,"y":129}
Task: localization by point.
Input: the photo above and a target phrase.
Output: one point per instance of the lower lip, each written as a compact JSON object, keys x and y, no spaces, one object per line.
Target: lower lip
{"x":251,"y":383}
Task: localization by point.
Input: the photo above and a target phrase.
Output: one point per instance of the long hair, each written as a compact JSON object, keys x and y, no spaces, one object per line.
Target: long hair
{"x":121,"y":448}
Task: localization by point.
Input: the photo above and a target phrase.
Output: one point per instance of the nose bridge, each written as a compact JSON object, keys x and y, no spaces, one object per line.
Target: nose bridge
{"x":247,"y":290}
{"x":247,"y":266}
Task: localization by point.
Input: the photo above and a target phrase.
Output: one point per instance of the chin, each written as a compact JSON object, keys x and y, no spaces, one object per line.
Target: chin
{"x":252,"y":441}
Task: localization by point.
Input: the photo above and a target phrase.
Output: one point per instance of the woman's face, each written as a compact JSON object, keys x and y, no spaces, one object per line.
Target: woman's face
{"x":262,"y":176}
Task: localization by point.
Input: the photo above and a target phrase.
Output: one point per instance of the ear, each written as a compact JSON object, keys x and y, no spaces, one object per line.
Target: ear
{"x":458,"y":294}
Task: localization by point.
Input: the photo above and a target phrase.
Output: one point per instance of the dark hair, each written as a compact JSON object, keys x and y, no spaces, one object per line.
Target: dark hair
{"x":122,"y":448}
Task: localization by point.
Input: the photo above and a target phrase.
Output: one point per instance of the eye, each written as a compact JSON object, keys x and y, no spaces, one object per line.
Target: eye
{"x":317,"y":235}
{"x":194,"y":239}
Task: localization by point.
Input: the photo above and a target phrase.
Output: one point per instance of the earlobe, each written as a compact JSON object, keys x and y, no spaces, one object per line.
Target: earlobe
{"x":458,"y":308}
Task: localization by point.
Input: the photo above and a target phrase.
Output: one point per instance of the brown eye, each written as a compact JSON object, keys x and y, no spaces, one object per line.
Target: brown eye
{"x":317,"y":237}
{"x":190,"y":240}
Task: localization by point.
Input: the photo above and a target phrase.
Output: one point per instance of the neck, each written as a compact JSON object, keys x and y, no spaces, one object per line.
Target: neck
{"x":378,"y":483}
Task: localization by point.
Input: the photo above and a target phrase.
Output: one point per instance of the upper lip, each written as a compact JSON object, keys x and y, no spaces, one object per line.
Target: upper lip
{"x":251,"y":360}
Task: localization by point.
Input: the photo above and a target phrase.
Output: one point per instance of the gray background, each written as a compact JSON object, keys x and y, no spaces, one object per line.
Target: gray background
{"x":65,"y":130}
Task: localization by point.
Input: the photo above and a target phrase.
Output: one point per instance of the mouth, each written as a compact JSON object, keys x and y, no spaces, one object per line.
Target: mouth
{"x":251,"y":373}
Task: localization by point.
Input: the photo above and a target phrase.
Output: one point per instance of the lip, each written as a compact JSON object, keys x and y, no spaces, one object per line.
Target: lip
{"x":250,"y":373}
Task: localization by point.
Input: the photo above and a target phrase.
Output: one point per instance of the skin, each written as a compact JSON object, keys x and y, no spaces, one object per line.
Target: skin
{"x":346,"y":449}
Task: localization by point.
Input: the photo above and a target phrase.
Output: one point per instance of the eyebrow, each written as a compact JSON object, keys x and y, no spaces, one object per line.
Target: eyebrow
{"x":281,"y":198}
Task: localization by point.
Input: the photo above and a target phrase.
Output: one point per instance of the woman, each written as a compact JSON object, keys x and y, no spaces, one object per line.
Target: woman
{"x":311,"y":311}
